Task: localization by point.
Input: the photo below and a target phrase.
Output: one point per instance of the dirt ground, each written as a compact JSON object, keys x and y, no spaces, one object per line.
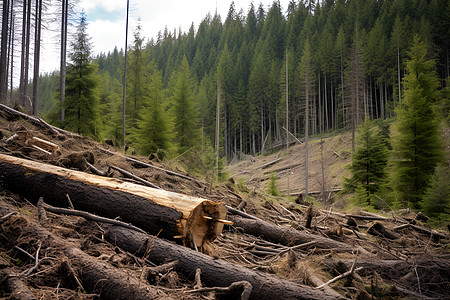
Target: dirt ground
{"x":413,"y":263}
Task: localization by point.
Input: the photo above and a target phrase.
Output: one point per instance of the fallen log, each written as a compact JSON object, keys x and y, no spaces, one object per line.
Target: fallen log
{"x":195,"y":220}
{"x":378,"y":229}
{"x":36,"y":121}
{"x":216,"y":272}
{"x":97,"y":277}
{"x":288,"y":236}
{"x":143,"y":164}
{"x":129,"y":175}
{"x":16,"y":288}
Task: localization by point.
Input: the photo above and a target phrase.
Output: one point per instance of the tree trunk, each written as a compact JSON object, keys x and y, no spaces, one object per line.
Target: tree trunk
{"x":27,"y":56}
{"x":37,"y":52}
{"x":4,"y":52}
{"x":62,"y":68}
{"x":168,"y":214}
{"x":286,"y":235}
{"x":12,"y":32}
{"x":215,"y":272}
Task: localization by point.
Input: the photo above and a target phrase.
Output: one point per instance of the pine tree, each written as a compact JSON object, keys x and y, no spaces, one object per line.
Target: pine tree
{"x":154,"y":127}
{"x":82,"y":100}
{"x":368,"y":161}
{"x":187,"y":134}
{"x":436,"y":201}
{"x":416,"y":146}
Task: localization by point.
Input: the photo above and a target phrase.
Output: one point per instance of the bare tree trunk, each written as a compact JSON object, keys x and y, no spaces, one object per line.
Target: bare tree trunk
{"x":325,"y":104}
{"x":217,"y":128}
{"x":287,"y":102}
{"x":62,"y":68}
{"x":37,"y":50}
{"x":4,"y":52}
{"x":27,"y":55}
{"x":307,"y":128}
{"x":11,"y":39}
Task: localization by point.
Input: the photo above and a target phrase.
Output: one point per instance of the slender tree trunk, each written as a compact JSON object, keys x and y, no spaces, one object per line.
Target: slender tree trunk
{"x":22,"y":53}
{"x":12,"y":52}
{"x":62,"y":69}
{"x":287,"y":102}
{"x":37,"y":50}
{"x":325,"y":104}
{"x":240,"y":139}
{"x":4,"y":52}
{"x":27,"y":55}
{"x":398,"y":75}
{"x":320,"y":106}
{"x":217,"y":127}
{"x":307,"y":129}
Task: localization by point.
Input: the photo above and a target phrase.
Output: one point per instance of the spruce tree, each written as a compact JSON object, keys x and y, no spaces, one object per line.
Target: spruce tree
{"x":82,"y":100}
{"x":154,"y":127}
{"x":416,"y":146}
{"x":187,"y":133}
{"x":368,"y":161}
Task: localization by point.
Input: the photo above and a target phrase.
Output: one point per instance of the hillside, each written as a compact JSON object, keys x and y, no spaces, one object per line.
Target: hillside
{"x":274,"y":249}
{"x":289,"y":167}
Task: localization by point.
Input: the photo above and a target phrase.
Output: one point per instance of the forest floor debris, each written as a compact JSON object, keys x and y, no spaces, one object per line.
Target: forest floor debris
{"x":399,"y":256}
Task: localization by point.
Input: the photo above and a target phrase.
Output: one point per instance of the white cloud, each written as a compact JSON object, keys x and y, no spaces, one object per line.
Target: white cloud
{"x":154,"y":15}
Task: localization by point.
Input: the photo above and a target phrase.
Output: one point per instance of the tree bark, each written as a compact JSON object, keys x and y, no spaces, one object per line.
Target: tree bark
{"x":168,"y":214}
{"x":96,"y":277}
{"x":37,"y":53}
{"x":286,"y":235}
{"x":4,"y":52}
{"x":216,"y":272}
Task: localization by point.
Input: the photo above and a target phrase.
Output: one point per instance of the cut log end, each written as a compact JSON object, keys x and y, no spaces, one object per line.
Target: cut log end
{"x":203,"y":225}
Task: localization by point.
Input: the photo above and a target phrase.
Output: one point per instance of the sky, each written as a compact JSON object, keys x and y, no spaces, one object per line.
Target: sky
{"x":106,"y":21}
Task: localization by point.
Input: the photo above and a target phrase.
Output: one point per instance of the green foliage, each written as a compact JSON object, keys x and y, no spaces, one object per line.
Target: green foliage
{"x":187,"y":133}
{"x":247,"y":51}
{"x":416,"y":146}
{"x":368,"y":161}
{"x":82,"y":100}
{"x":272,"y":186}
{"x":154,"y":129}
{"x":436,"y":200}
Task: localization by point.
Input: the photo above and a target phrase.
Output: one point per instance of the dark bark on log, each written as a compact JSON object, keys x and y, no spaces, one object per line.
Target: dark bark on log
{"x":378,"y":229}
{"x":15,"y":286}
{"x":216,"y":272}
{"x":91,"y":198}
{"x":109,"y":282}
{"x":129,"y":175}
{"x":156,"y":211}
{"x":97,"y":277}
{"x":286,"y":235}
{"x":143,"y":164}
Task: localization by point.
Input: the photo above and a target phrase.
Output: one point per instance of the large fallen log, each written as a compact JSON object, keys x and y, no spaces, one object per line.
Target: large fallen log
{"x":215,"y":272}
{"x":171,"y":215}
{"x":288,"y":236}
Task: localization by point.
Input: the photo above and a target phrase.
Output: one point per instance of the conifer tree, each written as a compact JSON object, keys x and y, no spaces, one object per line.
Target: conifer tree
{"x":416,"y":146}
{"x":154,"y":132}
{"x":436,"y":201}
{"x":368,"y":161}
{"x":82,"y":100}
{"x":187,"y":134}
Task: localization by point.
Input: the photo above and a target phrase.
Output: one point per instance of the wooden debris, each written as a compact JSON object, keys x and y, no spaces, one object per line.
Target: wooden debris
{"x":216,"y":272}
{"x":129,"y":175}
{"x":287,"y":235}
{"x":153,"y":210}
